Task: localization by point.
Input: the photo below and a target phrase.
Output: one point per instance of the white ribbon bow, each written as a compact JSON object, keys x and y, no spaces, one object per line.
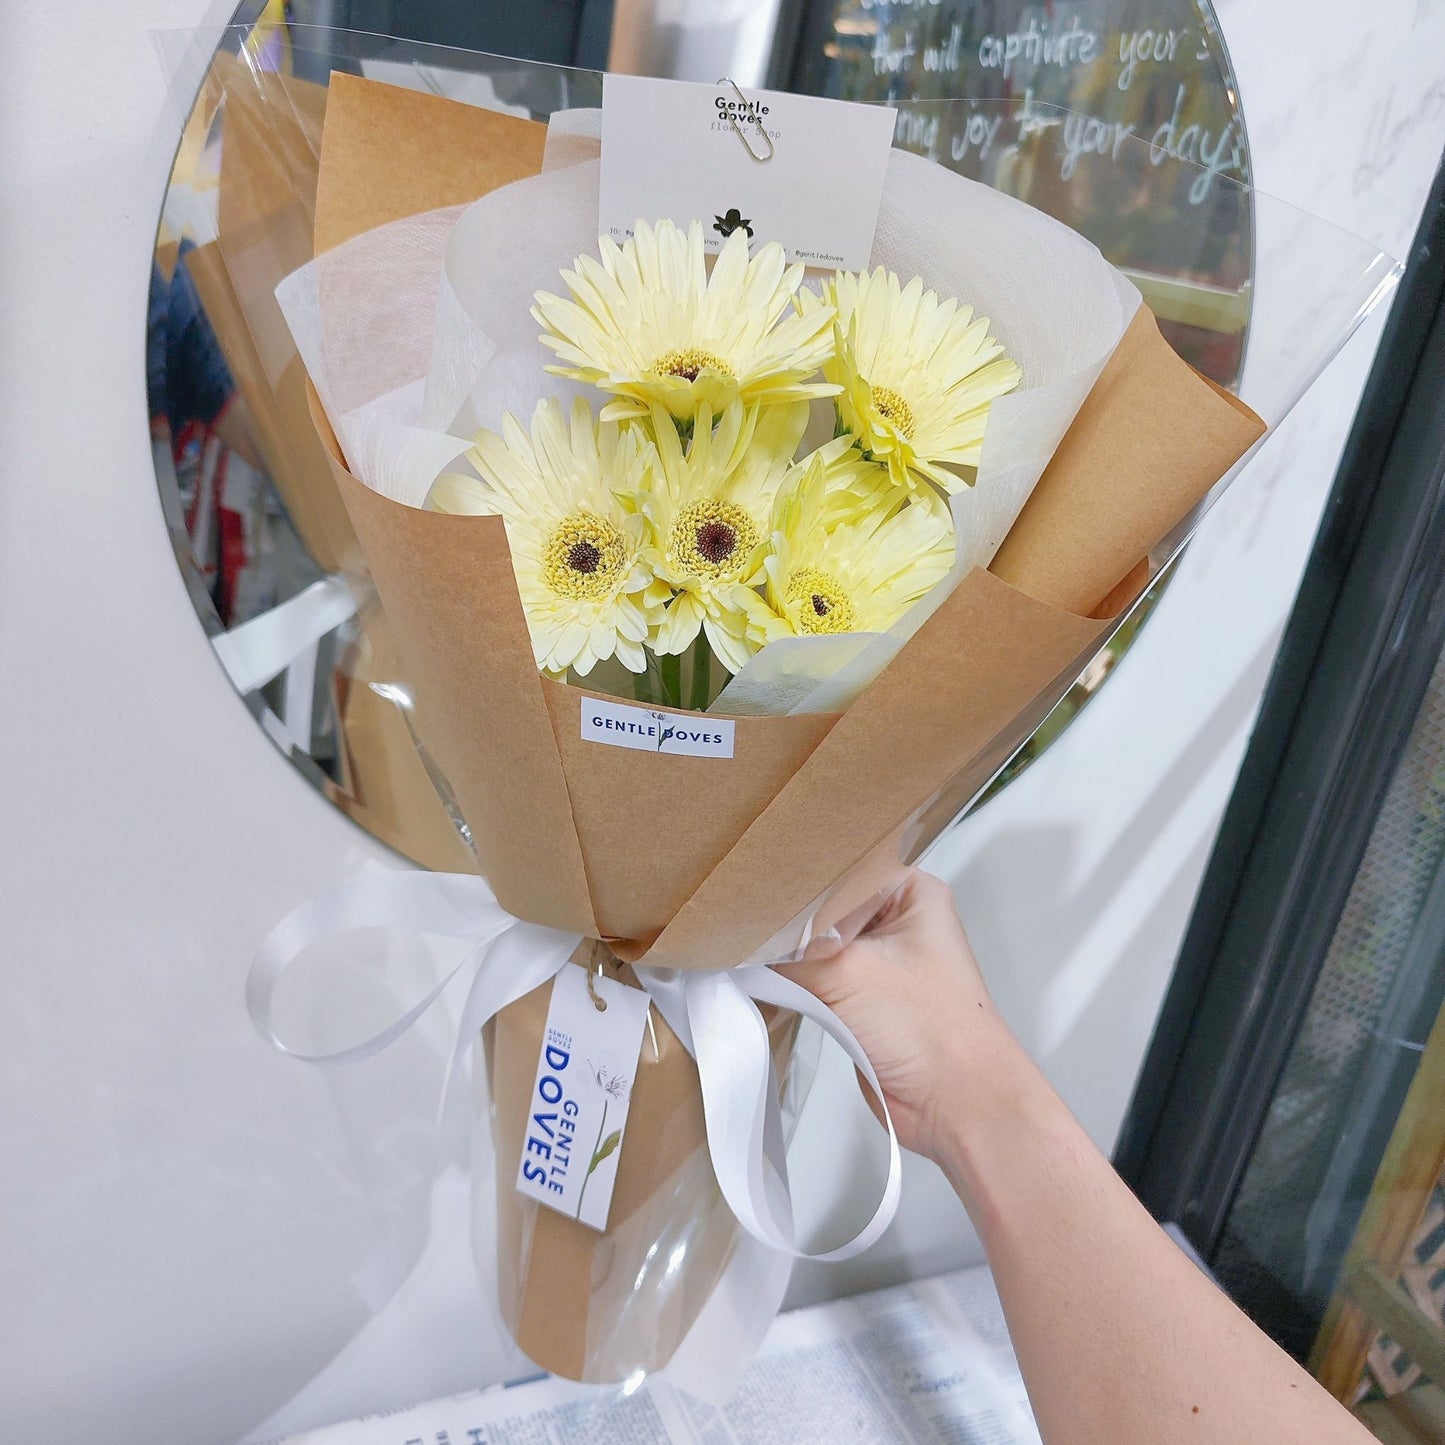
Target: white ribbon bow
{"x":714,"y":1013}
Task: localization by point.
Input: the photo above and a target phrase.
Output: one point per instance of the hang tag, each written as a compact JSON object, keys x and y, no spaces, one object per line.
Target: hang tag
{"x":578,"y":1112}
{"x":796,"y":169}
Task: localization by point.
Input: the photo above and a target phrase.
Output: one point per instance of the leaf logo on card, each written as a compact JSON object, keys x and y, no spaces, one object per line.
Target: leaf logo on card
{"x":733,"y":221}
{"x":663,"y":731}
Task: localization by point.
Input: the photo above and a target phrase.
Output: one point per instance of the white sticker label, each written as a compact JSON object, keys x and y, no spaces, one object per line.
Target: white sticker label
{"x":693,"y":735}
{"x":671,"y":150}
{"x":578,"y":1111}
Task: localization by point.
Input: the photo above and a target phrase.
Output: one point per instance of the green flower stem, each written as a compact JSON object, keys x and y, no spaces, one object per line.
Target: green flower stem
{"x":592,"y":1162}
{"x":647,"y":687}
{"x":671,"y":670}
{"x":701,"y":674}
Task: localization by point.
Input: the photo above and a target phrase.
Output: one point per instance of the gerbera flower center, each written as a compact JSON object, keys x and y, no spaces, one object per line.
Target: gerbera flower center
{"x":713,"y":539}
{"x":689,"y":363}
{"x":891,"y":407}
{"x":825,"y":605}
{"x":716,"y":541}
{"x":584,"y":557}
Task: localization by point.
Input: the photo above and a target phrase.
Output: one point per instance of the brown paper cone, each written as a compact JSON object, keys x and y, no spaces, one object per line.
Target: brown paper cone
{"x":803,"y":801}
{"x":594,"y":1306}
{"x":699,"y":863}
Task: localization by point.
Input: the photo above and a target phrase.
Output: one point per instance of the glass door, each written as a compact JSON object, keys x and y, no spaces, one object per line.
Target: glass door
{"x":1381,"y":1345}
{"x":1290,"y":1117}
{"x":1340,"y":1214}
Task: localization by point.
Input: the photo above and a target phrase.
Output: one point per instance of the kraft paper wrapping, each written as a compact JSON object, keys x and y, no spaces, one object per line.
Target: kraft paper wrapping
{"x":267,"y":203}
{"x":593,"y":1306}
{"x":1155,"y":435}
{"x":282,"y":428}
{"x":384,"y":784}
{"x":272,"y":128}
{"x":699,"y":863}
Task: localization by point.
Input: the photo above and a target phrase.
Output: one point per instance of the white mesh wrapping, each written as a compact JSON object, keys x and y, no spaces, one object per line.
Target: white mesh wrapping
{"x":418,"y":333}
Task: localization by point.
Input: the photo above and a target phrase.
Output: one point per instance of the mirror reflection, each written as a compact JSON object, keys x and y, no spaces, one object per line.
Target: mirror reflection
{"x":259,"y":532}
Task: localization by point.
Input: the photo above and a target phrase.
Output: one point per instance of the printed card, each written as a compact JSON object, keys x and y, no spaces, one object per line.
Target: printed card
{"x":796,"y":169}
{"x":578,"y":1111}
{"x":650,"y":730}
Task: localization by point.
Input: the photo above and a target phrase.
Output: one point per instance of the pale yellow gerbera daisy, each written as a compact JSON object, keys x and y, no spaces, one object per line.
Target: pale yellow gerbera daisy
{"x":576,"y":549}
{"x":918,"y":375}
{"x":852,"y":485}
{"x":709,"y":509}
{"x":858,"y":574}
{"x":648,"y":324}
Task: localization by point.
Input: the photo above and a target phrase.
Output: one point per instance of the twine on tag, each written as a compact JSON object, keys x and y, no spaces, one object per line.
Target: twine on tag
{"x":594,"y":972}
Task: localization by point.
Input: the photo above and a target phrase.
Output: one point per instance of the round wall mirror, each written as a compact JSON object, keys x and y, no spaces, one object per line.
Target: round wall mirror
{"x":259,"y":533}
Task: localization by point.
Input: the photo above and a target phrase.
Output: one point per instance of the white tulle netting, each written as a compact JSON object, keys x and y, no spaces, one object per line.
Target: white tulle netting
{"x":419,"y":333}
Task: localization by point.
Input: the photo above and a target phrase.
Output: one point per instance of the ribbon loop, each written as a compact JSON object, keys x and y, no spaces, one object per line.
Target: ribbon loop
{"x":726,"y":1034}
{"x":452,"y":905}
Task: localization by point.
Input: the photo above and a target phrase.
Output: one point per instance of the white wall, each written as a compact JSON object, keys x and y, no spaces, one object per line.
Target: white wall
{"x":190,"y":1225}
{"x":700,"y":40}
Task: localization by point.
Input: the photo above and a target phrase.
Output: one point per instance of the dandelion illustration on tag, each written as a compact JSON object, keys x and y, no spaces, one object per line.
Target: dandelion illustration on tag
{"x":609,"y":1080}
{"x":613,"y":1085}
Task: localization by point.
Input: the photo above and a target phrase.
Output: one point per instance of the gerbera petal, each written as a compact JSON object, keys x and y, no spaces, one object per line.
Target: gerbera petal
{"x":918,"y":376}
{"x":858,"y":569}
{"x":678,"y":627}
{"x":577,"y":551}
{"x":453,"y":492}
{"x":647,"y":323}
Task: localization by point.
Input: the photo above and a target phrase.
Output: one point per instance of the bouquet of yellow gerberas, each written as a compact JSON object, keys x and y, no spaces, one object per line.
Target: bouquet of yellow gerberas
{"x":682,"y":521}
{"x":703,"y":669}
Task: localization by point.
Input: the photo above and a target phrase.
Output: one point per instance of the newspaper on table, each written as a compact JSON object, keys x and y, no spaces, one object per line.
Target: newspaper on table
{"x":928,"y":1362}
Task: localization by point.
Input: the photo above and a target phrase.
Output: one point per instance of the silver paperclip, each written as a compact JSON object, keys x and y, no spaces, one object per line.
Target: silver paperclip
{"x":741,"y":134}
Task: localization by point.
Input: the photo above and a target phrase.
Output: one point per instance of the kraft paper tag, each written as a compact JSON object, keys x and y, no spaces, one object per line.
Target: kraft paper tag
{"x":653,"y":731}
{"x":579,"y":1101}
{"x":685,"y":152}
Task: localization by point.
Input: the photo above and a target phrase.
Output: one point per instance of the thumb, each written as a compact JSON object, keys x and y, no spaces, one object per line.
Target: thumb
{"x":826,"y":974}
{"x":810,"y":973}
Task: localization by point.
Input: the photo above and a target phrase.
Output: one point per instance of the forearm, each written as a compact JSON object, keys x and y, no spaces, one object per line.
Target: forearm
{"x":1120,"y":1339}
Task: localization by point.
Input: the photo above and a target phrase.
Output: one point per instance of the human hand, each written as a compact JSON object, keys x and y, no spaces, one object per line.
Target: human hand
{"x":910,"y":990}
{"x":1089,"y":1283}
